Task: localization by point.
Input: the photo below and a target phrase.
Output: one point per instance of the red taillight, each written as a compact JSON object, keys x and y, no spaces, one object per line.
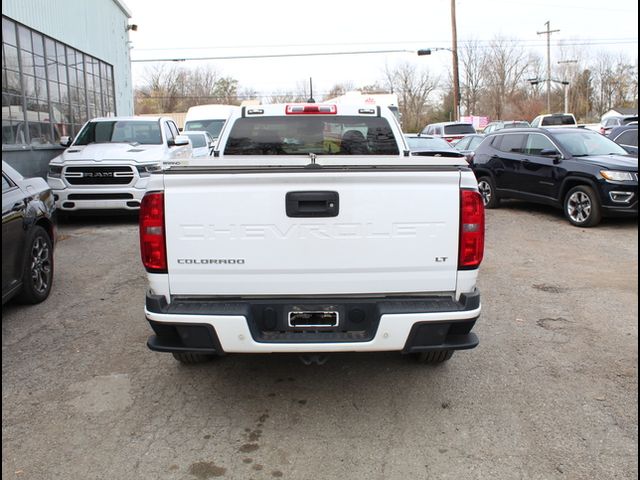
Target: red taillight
{"x":311,"y":109}
{"x":471,"y":247}
{"x":152,"y":240}
{"x":603,"y":131}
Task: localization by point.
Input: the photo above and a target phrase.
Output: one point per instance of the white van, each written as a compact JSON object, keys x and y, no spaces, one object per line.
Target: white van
{"x":208,"y":117}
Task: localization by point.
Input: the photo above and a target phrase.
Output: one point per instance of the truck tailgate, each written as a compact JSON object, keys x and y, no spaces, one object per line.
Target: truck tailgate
{"x":394,"y":232}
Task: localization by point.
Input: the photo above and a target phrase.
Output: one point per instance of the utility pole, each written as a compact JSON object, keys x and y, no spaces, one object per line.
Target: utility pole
{"x":566,"y":85}
{"x":454,"y":50}
{"x":548,"y":32}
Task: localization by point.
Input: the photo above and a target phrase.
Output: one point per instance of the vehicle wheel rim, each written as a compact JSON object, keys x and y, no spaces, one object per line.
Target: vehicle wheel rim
{"x":40,"y":265}
{"x":579,"y":207}
{"x":485,"y":191}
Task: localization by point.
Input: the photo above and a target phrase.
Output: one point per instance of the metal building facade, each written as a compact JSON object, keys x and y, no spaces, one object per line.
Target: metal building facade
{"x":63,"y":62}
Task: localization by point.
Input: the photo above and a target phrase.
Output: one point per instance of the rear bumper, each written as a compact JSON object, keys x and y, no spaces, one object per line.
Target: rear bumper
{"x":405,"y":325}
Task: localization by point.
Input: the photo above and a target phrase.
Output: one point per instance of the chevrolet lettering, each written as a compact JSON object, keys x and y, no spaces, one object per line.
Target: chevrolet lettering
{"x":311,"y":230}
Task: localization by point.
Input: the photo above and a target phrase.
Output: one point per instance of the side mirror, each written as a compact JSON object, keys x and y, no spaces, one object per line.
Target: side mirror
{"x":179,"y":141}
{"x":551,"y":153}
{"x":65,"y":141}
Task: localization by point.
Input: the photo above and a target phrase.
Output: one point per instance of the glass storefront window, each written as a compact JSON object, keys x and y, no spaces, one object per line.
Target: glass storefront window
{"x":48,"y":88}
{"x":8,"y":32}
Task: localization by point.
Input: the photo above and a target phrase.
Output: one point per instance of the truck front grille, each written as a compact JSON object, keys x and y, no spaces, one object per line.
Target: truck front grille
{"x":103,"y":175}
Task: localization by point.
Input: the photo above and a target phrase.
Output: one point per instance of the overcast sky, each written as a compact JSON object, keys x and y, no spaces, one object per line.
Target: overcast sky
{"x":206,"y":28}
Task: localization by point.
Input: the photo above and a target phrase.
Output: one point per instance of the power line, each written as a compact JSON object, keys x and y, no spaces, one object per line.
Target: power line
{"x":600,"y":41}
{"x":362,"y":52}
{"x":280,"y":55}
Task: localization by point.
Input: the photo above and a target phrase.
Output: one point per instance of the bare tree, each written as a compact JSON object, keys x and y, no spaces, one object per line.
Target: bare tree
{"x":339,"y":89}
{"x":473,"y":60}
{"x":174,"y":89}
{"x":300,"y":95}
{"x":505,"y":73}
{"x":413,"y":89}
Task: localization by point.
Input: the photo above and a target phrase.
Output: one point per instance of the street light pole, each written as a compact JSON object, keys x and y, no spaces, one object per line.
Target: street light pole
{"x":535,"y":81}
{"x":566,"y":85}
{"x":454,"y":51}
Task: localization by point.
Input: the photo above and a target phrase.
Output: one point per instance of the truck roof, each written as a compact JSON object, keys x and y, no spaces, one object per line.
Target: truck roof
{"x":292,"y":109}
{"x":129,"y":119}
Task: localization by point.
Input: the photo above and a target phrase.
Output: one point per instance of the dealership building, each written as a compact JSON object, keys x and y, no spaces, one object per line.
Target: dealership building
{"x":63,"y":62}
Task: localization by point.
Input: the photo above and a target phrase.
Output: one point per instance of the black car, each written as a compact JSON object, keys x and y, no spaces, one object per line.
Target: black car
{"x":468,"y":145}
{"x":627,"y":137}
{"x":424,"y":145}
{"x":28,"y":237}
{"x":579,"y":170}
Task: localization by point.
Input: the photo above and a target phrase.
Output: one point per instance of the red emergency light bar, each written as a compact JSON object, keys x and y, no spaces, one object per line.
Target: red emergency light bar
{"x":311,"y":109}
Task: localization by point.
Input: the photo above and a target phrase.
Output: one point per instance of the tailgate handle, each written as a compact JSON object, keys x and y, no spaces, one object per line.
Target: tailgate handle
{"x":312,"y":204}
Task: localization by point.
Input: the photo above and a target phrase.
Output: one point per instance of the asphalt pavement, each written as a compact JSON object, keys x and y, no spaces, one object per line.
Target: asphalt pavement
{"x":551,"y":392}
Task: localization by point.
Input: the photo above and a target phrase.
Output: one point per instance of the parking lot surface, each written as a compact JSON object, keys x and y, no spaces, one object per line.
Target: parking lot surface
{"x":550,"y":393}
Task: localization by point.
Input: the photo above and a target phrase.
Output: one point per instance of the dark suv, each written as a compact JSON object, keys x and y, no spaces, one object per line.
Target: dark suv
{"x":577,"y":169}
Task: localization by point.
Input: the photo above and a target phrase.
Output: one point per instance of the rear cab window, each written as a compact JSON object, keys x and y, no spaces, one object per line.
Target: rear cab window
{"x":557,"y":120}
{"x":321,"y":135}
{"x":459,"y":129}
{"x":214,"y":127}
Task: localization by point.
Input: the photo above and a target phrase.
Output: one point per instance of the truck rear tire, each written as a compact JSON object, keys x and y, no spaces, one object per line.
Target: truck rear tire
{"x":191,"y":358}
{"x":434,"y":357}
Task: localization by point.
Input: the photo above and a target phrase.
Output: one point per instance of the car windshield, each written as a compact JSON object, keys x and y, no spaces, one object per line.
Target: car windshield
{"x":516,"y":125}
{"x":428,"y":143}
{"x":322,"y":135}
{"x":212,"y":126}
{"x":558,"y":120}
{"x":197,"y":139}
{"x":460,"y":128}
{"x":583,"y":143}
{"x":120,"y":131}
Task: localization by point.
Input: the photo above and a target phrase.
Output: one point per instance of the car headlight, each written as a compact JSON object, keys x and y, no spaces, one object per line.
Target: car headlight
{"x":615,"y":176}
{"x":55,"y":171}
{"x":145,"y":170}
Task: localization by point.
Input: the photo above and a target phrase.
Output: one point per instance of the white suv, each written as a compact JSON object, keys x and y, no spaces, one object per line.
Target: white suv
{"x":106,"y":167}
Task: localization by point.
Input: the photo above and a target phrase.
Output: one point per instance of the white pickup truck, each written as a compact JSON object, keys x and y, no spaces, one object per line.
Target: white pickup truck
{"x":312,"y":230}
{"x":107,"y":165}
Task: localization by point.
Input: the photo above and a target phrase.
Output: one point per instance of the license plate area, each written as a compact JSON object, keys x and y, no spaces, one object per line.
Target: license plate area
{"x":313,"y":318}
